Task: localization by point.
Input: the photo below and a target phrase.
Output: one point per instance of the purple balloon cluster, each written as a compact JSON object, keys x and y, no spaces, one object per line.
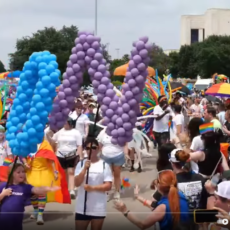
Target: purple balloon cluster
{"x":118,"y":115}
{"x":121,"y":116}
{"x":86,"y":53}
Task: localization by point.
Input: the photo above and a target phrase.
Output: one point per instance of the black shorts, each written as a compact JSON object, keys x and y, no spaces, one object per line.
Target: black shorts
{"x":79,"y":216}
{"x":65,"y":164}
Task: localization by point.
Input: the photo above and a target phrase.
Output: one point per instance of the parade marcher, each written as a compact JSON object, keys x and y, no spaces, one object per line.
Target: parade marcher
{"x":99,"y":182}
{"x":162,"y":115}
{"x":44,"y":169}
{"x":172,"y":210}
{"x":13,"y":198}
{"x":210,"y":116}
{"x":113,"y":155}
{"x":68,"y":147}
{"x":81,"y":121}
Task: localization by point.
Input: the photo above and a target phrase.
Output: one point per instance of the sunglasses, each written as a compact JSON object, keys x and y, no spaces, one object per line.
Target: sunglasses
{"x":93,"y":147}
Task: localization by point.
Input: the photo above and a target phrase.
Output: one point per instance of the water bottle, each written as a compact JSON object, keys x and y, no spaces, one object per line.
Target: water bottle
{"x":215,"y":179}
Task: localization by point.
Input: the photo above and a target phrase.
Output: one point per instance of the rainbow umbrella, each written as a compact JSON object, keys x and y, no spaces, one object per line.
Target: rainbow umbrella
{"x":221,"y":90}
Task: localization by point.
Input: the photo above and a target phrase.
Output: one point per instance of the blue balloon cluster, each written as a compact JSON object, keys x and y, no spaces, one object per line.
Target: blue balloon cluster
{"x":33,"y":103}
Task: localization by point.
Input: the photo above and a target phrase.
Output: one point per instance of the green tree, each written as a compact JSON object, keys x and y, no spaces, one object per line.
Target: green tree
{"x":58,"y":42}
{"x":214,"y":56}
{"x":173,"y":64}
{"x":2,"y":68}
{"x":159,"y":60}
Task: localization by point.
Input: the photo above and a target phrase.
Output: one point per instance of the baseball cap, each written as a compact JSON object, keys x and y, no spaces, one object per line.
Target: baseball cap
{"x":172,"y":156}
{"x":223,"y":190}
{"x":92,"y":104}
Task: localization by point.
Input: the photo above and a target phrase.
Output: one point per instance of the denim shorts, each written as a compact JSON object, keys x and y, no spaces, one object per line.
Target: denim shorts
{"x":117,"y":161}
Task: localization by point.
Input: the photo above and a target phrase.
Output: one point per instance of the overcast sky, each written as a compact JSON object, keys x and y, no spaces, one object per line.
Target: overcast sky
{"x":120,"y":22}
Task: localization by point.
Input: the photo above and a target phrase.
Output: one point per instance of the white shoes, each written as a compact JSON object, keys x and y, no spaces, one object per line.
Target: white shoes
{"x":40,"y":220}
{"x":72,"y":194}
{"x":116,"y":196}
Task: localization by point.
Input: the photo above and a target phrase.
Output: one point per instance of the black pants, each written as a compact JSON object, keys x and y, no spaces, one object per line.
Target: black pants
{"x":161,"y":138}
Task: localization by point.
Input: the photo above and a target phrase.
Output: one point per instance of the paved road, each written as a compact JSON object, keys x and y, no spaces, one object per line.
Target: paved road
{"x":61,"y":216}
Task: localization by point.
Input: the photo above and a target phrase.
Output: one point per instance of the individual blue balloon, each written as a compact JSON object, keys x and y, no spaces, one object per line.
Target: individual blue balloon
{"x":32,"y":132}
{"x":16,"y":102}
{"x":35,"y":119}
{"x":20,"y":126}
{"x":39,"y":128}
{"x":33,"y":111}
{"x":12,"y":129}
{"x":19,"y":109}
{"x":50,"y":69}
{"x":15,"y":121}
{"x":54,"y":63}
{"x":40,"y":106}
{"x":42,"y":65}
{"x":37,"y":98}
{"x":44,"y":92}
{"x":42,"y":73}
{"x":22,"y":97}
{"x":46,"y":80}
{"x":29,"y":124}
{"x":39,"y":85}
{"x":9,"y":124}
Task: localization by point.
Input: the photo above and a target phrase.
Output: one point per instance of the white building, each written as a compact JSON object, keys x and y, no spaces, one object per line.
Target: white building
{"x":195,"y":28}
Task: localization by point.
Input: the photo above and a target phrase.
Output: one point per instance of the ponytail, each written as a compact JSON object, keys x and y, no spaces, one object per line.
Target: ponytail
{"x":174,"y":204}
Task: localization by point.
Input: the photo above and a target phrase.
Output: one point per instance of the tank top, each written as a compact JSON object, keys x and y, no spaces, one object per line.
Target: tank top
{"x":207,"y":166}
{"x":167,"y":222}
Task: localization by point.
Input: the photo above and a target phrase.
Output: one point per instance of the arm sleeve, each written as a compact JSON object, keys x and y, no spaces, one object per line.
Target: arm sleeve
{"x":55,"y":137}
{"x":78,"y":138}
{"x":156,"y":111}
{"x":177,"y":120}
{"x":108,"y":177}
{"x":28,"y":191}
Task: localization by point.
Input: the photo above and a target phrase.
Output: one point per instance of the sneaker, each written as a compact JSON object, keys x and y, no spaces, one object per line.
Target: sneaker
{"x":132,"y":169}
{"x":40,"y":220}
{"x":139,"y":170}
{"x":72,"y":195}
{"x":116,"y":196}
{"x":34,"y":216}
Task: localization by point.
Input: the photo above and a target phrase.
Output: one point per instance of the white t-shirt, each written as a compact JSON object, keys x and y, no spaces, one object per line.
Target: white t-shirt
{"x":99,"y":173}
{"x":67,"y":141}
{"x":109,"y":149}
{"x":161,"y":125}
{"x":82,"y":121}
{"x":197,"y":144}
{"x":4,"y":151}
{"x":221,"y":117}
{"x":178,"y":119}
{"x":196,"y":109}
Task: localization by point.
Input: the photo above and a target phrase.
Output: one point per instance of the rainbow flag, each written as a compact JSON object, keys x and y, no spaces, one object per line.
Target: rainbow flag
{"x":206,"y":128}
{"x":8,"y":161}
{"x":125,"y":183}
{"x":62,"y":196}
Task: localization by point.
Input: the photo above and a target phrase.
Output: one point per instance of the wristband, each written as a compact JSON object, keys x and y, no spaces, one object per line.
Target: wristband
{"x":126,"y":213}
{"x":55,"y":171}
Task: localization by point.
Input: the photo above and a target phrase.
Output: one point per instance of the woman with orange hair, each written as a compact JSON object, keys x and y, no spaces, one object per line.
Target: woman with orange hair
{"x":172,"y":210}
